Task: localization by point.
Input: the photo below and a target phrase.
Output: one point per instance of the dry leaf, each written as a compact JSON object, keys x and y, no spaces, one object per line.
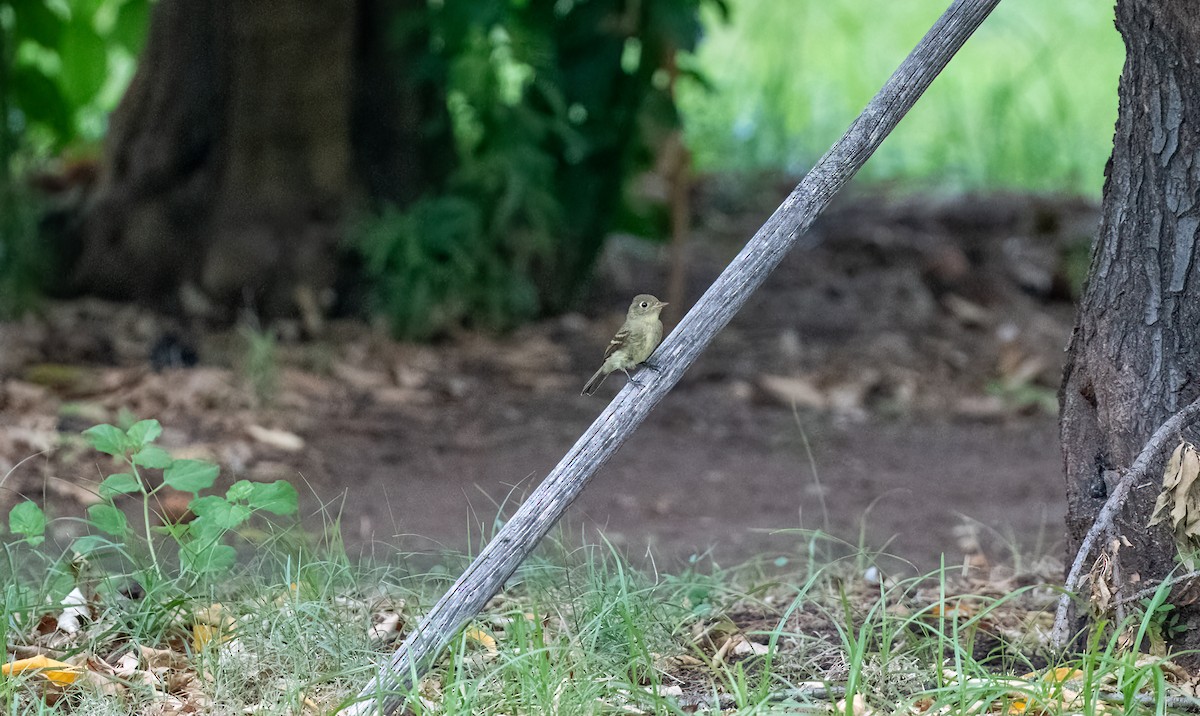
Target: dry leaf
{"x":792,"y":391}
{"x":279,"y":439}
{"x":480,"y":637}
{"x":58,"y":672}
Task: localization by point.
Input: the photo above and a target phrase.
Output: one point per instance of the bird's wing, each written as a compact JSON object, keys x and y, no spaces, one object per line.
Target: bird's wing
{"x":617,"y":342}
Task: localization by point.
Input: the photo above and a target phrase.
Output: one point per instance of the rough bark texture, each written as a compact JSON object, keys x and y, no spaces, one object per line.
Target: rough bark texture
{"x":1133,"y":358}
{"x":228,"y":161}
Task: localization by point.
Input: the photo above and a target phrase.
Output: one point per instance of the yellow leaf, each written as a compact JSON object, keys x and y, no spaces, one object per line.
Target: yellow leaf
{"x":1061,"y":674}
{"x":482,"y":638}
{"x":57,"y":671}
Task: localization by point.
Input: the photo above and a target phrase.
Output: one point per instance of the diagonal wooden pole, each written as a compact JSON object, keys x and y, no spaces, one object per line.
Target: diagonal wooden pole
{"x":501,"y":557}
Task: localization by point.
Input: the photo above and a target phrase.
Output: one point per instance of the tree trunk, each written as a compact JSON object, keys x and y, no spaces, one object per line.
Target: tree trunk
{"x":227,"y":165}
{"x":1134,"y":356}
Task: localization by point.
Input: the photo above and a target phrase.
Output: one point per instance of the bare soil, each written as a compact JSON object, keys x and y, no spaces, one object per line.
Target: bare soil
{"x":892,"y":385}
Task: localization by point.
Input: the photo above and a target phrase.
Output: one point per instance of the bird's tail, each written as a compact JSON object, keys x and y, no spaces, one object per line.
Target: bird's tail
{"x":594,"y":382}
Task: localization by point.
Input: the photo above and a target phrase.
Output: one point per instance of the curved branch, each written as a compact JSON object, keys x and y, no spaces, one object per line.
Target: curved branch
{"x":1060,"y":634}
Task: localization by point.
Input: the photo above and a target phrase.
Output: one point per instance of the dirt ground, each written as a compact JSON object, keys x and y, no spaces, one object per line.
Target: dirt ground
{"x":892,"y":384}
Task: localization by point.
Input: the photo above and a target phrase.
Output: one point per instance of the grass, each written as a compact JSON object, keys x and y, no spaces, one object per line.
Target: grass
{"x":300,"y":626}
{"x":1025,"y":104}
{"x":583,"y":632}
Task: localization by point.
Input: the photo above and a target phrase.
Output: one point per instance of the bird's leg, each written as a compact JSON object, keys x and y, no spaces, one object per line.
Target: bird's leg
{"x":653,"y":367}
{"x":631,"y":378}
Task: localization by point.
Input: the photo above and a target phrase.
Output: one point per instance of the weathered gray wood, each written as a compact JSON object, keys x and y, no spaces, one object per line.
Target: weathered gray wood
{"x":501,"y":557}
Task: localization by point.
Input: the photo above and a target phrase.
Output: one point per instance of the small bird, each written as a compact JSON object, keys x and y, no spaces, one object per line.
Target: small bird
{"x":634,"y":343}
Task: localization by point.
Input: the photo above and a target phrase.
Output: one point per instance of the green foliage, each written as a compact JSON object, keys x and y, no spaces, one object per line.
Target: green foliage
{"x":260,"y":360}
{"x":550,"y":107}
{"x":63,"y":66}
{"x":201,"y":542}
{"x":68,"y":63}
{"x":24,"y":259}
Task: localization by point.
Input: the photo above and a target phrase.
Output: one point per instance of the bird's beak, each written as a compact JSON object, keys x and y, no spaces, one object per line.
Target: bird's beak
{"x":663,"y":303}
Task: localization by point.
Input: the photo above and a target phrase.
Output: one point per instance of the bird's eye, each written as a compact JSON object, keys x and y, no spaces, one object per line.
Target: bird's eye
{"x":644,"y":304}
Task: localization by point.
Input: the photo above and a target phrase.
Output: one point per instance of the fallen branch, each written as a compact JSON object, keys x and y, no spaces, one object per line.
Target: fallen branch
{"x":501,"y":557}
{"x":1060,"y":635}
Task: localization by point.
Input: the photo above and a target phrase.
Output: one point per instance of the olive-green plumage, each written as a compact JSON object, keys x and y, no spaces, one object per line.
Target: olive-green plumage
{"x":634,"y":343}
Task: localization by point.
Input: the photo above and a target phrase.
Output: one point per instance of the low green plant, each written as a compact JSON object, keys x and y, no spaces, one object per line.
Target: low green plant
{"x":260,"y":359}
{"x":551,"y":109}
{"x":200,"y":544}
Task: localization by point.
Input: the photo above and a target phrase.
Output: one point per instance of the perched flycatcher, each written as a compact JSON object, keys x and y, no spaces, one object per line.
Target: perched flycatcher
{"x":634,"y":343}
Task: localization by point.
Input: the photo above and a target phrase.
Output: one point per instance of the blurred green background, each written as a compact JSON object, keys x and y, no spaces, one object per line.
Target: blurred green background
{"x":1029,"y":102}
{"x":511,"y":227}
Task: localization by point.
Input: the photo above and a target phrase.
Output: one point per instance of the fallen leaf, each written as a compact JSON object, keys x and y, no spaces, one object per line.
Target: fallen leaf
{"x":480,"y":637}
{"x":279,"y":439}
{"x":792,"y":391}
{"x":58,"y":672}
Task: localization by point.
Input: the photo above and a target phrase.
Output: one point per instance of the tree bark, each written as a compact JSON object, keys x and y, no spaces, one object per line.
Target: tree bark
{"x":1132,"y":360}
{"x":227,"y":164}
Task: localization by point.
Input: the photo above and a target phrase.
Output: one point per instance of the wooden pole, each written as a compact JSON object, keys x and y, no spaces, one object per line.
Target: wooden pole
{"x":521,"y":534}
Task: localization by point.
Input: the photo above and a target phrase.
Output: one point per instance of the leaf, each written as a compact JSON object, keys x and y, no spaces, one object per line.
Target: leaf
{"x":218,"y":512}
{"x":121,"y":483}
{"x":108,"y":519}
{"x":87,"y":544}
{"x":277,"y":497}
{"x":1189,"y":470}
{"x":27,"y":519}
{"x":84,"y":60}
{"x":207,"y":558}
{"x":239,"y":491}
{"x":191,"y":475}
{"x":144,"y":432}
{"x":59,"y":672}
{"x":152,"y":456}
{"x":107,"y":439}
{"x":478,"y":636}
{"x":1171,"y":472}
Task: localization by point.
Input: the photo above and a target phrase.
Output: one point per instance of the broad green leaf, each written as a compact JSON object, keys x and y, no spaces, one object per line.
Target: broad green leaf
{"x":84,"y":60}
{"x":87,"y":544}
{"x":206,"y":558}
{"x":27,"y":519}
{"x":108,"y":519}
{"x":144,"y":432}
{"x":152,"y":456}
{"x":219,"y":512}
{"x":191,"y":475}
{"x":277,"y":497}
{"x":240,"y":491}
{"x":108,"y":439}
{"x":121,"y":483}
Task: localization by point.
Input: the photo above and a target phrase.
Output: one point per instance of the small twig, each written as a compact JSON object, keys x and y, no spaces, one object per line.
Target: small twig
{"x":1183,"y":703}
{"x":1060,"y":634}
{"x":1149,"y":591}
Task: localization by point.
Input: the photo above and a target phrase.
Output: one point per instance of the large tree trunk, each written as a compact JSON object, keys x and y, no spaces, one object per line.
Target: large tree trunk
{"x":1134,"y":358}
{"x":227,"y":165}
